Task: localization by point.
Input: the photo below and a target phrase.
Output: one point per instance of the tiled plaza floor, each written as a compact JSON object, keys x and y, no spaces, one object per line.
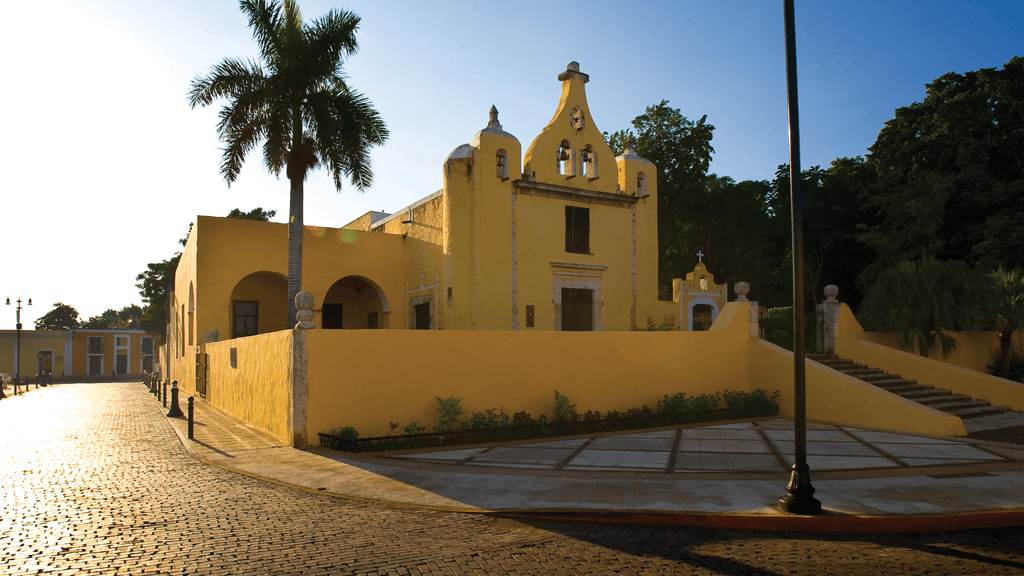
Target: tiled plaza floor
{"x":742,"y":447}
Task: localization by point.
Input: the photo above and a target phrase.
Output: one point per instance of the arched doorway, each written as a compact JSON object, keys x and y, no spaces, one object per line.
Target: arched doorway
{"x":701,"y":314}
{"x":259,"y":304}
{"x":354,"y":303}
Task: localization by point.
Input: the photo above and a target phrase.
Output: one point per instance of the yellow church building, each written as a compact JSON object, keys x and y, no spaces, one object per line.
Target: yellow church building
{"x":562,"y":238}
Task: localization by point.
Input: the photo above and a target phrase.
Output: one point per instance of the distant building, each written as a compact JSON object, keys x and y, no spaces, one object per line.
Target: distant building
{"x":79,"y":352}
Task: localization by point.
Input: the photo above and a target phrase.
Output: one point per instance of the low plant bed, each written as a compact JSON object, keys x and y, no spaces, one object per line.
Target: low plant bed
{"x":672,"y":411}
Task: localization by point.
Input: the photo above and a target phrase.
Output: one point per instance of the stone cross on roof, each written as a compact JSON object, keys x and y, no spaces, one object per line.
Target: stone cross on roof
{"x":700,"y":256}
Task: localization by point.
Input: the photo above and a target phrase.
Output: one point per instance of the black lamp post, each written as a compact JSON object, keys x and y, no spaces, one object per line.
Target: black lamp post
{"x":17,"y":354}
{"x":799,"y":498}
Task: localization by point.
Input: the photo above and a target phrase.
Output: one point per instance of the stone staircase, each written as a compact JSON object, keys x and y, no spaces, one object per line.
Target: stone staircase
{"x":938,"y":398}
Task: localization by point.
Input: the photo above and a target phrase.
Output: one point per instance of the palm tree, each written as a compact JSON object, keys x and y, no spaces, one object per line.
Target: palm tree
{"x":296,"y":102}
{"x":923,"y":301}
{"x":1007,"y":311}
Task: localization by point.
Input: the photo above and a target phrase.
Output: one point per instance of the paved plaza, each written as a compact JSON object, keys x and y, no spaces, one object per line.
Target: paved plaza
{"x":97,"y":481}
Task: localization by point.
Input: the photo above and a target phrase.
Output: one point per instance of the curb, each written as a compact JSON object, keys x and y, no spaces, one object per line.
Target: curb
{"x":825,"y":523}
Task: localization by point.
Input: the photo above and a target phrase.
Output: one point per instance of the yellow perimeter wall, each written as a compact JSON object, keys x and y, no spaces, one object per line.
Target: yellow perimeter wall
{"x":512,"y":370}
{"x":258,"y":390}
{"x":853,"y":342}
{"x":368,"y":378}
{"x":976,"y":350}
{"x":835,"y":397}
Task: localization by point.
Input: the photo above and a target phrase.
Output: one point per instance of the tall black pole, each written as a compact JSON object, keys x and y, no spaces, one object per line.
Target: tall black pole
{"x":799,"y":498}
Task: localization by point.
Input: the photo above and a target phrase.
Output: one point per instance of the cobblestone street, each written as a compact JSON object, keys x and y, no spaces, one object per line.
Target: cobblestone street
{"x":96,"y":482}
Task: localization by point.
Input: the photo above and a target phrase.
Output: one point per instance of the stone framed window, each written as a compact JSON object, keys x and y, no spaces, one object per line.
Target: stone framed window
{"x":421,"y":313}
{"x":577,"y":230}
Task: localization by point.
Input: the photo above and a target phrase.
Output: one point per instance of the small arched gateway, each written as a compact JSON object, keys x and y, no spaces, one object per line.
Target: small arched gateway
{"x":699,"y":298}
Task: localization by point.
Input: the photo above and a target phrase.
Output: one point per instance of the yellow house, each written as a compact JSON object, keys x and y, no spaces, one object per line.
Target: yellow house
{"x":77,"y":352}
{"x":562,"y":238}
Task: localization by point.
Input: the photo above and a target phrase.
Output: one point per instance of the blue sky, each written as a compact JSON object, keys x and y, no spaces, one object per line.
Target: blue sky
{"x":104,"y":164}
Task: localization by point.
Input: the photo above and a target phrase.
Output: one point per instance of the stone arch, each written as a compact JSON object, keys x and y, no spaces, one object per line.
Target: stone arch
{"x":501,"y":164}
{"x":700,"y":300}
{"x":354,"y":302}
{"x":589,"y":162}
{"x":565,"y":159}
{"x":259,"y":304}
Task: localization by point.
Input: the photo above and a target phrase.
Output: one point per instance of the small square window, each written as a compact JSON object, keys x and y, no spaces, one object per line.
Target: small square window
{"x":577,"y":230}
{"x":246,"y":318}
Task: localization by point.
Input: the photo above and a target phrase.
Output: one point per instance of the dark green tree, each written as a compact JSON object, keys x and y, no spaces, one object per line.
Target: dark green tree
{"x":1006,"y":311}
{"x":127,"y":318}
{"x":949,"y":174}
{"x":257,"y":213}
{"x":297,"y":103}
{"x":924,"y":300}
{"x":681,"y":150}
{"x":62,"y":317}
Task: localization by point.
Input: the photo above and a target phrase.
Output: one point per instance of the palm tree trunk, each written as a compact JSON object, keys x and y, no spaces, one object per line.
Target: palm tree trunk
{"x":294,"y":247}
{"x":296,"y":175}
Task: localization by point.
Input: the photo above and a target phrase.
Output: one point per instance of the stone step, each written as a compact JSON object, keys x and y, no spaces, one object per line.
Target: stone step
{"x":965,"y":413}
{"x":893,"y":385}
{"x":880,"y":377}
{"x":947,"y":399}
{"x":925,"y":393}
{"x":954,"y":405}
{"x":863,"y":372}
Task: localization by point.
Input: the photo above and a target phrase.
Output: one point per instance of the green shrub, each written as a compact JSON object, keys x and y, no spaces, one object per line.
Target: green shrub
{"x":449,"y":409}
{"x":414,"y":428}
{"x":751,"y":404}
{"x":689,"y":408}
{"x":564,"y":412}
{"x":489,"y":418}
{"x":346,"y":432}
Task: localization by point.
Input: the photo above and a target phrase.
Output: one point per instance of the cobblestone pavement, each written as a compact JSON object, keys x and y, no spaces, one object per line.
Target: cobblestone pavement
{"x":95,"y":482}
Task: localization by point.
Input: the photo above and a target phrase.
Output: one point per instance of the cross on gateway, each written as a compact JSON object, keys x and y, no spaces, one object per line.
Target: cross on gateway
{"x":700,"y":256}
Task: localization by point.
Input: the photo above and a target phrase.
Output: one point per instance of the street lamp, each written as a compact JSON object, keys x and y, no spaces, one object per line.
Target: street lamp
{"x":17,"y":351}
{"x":799,"y":498}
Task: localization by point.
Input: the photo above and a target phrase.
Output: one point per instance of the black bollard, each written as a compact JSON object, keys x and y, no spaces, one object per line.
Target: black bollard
{"x":165,"y":394}
{"x":191,"y":416}
{"x":175,"y":411}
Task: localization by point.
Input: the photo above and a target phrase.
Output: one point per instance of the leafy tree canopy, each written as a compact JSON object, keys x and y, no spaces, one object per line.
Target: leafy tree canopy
{"x":681,"y":150}
{"x":256,"y":213}
{"x":126,"y":318}
{"x":949,"y":174}
{"x":924,"y":300}
{"x":62,"y":317}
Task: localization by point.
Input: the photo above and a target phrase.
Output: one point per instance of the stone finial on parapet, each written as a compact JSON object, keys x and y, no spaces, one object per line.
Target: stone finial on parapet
{"x":741,"y":289}
{"x":304,"y":315}
{"x":829,"y":320}
{"x":754,"y":317}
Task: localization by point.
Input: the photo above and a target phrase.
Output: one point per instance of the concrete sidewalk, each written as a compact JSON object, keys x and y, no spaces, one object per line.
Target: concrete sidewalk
{"x":721,"y":474}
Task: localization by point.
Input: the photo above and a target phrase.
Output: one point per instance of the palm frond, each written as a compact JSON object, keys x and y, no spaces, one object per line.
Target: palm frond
{"x":226,"y":79}
{"x":265,"y":21}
